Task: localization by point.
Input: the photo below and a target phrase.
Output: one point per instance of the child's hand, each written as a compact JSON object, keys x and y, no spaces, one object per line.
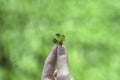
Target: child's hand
{"x":57,"y":55}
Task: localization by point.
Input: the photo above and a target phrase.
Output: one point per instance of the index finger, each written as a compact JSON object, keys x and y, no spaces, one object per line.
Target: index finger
{"x":49,"y":66}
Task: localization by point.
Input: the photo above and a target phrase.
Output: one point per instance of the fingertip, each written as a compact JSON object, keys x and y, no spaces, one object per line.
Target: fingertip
{"x":61,"y":46}
{"x":54,"y":49}
{"x":61,"y":50}
{"x":62,"y":55}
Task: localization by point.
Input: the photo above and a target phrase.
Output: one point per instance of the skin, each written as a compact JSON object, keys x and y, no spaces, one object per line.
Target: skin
{"x":57,"y":55}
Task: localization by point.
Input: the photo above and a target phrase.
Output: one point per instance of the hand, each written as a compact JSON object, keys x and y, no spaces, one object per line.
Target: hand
{"x":57,"y":55}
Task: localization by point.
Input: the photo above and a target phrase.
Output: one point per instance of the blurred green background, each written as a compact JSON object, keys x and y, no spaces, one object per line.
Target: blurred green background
{"x":91,"y":27}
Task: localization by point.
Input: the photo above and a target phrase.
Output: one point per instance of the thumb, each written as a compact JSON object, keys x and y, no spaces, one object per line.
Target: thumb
{"x":62,"y":57}
{"x":63,"y":72}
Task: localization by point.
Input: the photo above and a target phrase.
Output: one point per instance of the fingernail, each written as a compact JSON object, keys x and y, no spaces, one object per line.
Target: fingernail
{"x":61,"y":50}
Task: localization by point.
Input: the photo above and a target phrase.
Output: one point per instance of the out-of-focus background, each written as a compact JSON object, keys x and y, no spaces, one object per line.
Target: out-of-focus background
{"x":91,"y":27}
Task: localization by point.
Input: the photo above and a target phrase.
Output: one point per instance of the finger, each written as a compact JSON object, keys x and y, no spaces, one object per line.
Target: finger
{"x":55,"y":74}
{"x":62,"y":58}
{"x":49,"y":66}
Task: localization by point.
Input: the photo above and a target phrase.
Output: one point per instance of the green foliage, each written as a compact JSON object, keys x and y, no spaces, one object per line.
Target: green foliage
{"x":92,"y":37}
{"x":59,"y":39}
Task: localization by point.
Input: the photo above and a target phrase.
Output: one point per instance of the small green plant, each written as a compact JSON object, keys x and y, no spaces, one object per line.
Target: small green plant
{"x":59,"y":39}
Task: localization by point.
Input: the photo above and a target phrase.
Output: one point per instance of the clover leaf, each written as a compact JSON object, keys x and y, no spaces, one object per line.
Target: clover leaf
{"x":59,"y":39}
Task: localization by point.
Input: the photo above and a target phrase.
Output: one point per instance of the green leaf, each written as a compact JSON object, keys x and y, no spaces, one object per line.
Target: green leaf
{"x":59,"y":39}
